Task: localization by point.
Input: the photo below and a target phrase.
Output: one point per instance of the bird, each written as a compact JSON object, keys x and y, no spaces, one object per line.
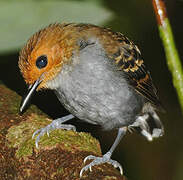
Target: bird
{"x":98,"y":75}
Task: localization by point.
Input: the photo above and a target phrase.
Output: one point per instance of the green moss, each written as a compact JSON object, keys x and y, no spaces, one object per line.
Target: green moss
{"x":60,"y":170}
{"x":71,"y":141}
{"x":20,"y":137}
{"x":1,"y":103}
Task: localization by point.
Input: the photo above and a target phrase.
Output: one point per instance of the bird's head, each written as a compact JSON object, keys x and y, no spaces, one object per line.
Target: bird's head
{"x":42,"y":57}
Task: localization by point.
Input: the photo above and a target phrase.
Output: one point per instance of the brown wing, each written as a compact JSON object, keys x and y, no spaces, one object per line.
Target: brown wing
{"x":128,"y":59}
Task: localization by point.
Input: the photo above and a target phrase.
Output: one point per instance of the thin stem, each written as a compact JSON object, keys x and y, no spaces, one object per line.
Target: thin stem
{"x":173,"y":60}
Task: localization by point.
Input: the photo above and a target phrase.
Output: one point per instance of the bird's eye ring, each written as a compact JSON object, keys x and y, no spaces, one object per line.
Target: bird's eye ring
{"x":41,"y":61}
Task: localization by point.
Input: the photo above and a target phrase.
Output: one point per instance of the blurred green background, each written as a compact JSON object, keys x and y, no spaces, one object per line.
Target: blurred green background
{"x":161,"y":159}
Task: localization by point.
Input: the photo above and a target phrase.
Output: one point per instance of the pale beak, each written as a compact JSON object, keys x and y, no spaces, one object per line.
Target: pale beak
{"x":26,"y":99}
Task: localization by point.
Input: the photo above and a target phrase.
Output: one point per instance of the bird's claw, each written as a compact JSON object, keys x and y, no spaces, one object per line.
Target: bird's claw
{"x":56,"y":124}
{"x":89,"y":158}
{"x":100,"y":160}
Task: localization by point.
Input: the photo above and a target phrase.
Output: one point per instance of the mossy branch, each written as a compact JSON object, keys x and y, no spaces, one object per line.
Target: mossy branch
{"x":173,"y":60}
{"x":60,"y":156}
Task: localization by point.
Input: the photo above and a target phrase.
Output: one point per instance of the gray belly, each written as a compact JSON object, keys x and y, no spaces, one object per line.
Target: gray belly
{"x":103,"y":107}
{"x":94,"y":91}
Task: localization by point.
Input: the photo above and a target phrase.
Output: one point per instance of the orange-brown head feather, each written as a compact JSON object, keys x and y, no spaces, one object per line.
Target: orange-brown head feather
{"x":51,"y":42}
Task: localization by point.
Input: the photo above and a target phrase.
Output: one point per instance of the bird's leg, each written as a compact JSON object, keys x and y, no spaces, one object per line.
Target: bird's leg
{"x":55,"y":124}
{"x":106,"y":158}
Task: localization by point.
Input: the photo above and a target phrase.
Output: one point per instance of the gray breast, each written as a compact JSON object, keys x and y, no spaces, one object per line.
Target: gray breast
{"x":93,"y":90}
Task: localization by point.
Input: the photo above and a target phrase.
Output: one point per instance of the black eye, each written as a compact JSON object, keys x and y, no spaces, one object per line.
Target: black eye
{"x":41,"y":61}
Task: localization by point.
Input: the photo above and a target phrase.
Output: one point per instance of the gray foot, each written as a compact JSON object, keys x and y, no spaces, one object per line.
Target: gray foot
{"x":56,"y":124}
{"x":142,"y":123}
{"x":100,"y":160}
